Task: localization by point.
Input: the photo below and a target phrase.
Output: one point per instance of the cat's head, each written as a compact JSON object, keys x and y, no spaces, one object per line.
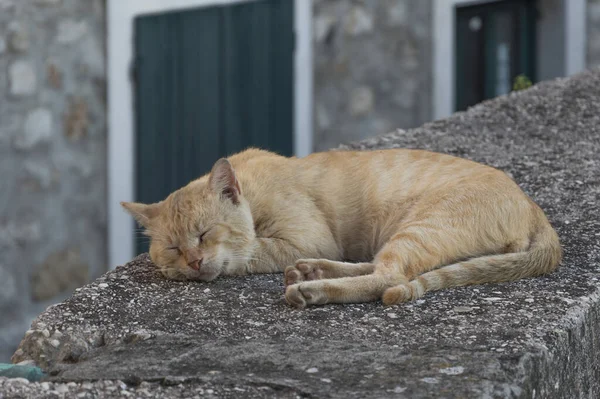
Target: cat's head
{"x":200,"y":230}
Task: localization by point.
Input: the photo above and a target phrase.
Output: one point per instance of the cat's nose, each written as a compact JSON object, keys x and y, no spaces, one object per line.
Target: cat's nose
{"x":195,"y":264}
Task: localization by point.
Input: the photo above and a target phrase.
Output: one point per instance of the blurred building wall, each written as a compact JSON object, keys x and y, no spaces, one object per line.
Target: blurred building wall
{"x":593,"y":37}
{"x":52,"y":155}
{"x":372,"y":68}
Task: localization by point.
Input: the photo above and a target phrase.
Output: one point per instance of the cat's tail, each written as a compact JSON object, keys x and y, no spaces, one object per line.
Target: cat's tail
{"x":543,"y":256}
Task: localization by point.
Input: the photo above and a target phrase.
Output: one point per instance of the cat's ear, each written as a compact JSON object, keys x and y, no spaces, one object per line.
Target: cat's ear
{"x":141,"y":212}
{"x":223,"y":181}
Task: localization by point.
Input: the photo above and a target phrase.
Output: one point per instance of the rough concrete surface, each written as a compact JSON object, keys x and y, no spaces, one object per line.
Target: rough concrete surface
{"x":132,"y":332}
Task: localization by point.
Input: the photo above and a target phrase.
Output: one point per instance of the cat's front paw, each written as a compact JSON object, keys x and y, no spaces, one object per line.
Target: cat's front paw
{"x":303,"y":270}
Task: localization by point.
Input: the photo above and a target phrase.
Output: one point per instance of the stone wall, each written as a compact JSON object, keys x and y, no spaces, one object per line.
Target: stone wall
{"x":52,"y":155}
{"x":372,"y":70}
{"x":593,"y":33}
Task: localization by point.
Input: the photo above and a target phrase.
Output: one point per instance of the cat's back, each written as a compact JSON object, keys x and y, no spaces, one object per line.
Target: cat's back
{"x":397,"y":175}
{"x":378,"y":171}
{"x":253,"y":157}
{"x":253,"y":164}
{"x":263,"y":173}
{"x":411,"y":163}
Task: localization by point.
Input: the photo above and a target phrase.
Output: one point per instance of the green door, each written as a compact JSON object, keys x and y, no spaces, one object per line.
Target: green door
{"x":210,"y":82}
{"x":495,"y":42}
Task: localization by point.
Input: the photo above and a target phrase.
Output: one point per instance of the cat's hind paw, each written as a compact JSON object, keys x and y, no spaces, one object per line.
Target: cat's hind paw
{"x":309,"y":293}
{"x":398,"y":294}
{"x":294,"y":297}
{"x":302,"y":271}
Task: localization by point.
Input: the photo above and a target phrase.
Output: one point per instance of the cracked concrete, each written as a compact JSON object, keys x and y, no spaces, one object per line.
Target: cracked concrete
{"x":132,"y":331}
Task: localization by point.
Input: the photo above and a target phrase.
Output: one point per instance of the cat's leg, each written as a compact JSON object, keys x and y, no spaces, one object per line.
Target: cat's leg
{"x":416,"y":249}
{"x":341,"y":290}
{"x":272,"y":255}
{"x":432,"y":256}
{"x":317,"y":269}
{"x":521,"y":259}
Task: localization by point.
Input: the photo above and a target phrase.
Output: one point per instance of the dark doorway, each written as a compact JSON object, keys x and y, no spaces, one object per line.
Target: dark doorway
{"x":495,"y":42}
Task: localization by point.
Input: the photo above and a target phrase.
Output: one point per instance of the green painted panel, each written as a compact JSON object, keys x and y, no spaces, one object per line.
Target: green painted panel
{"x":210,"y":82}
{"x":282,"y":73}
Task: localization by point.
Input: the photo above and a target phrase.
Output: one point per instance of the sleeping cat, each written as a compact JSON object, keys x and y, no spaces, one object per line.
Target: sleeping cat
{"x":351,"y":226}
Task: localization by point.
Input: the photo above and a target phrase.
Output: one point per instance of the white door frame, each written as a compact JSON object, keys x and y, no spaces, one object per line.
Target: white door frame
{"x":121,"y":14}
{"x":444,"y":40}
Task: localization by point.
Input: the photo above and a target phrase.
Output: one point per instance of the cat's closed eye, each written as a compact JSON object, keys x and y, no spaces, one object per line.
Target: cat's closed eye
{"x":201,"y":237}
{"x":175,"y":249}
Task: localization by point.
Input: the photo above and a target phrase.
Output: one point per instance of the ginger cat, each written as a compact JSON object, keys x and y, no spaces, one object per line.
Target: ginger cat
{"x":410,"y":221}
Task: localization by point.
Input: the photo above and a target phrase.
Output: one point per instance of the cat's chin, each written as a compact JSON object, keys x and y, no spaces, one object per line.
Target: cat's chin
{"x":204,"y":276}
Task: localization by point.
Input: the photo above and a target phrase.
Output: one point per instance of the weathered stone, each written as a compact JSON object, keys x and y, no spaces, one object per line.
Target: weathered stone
{"x":54,"y":75}
{"x":593,"y":10}
{"x":323,"y":118}
{"x":358,"y":21}
{"x":22,"y":78}
{"x":593,"y":33}
{"x":18,"y":36}
{"x":23,"y":232}
{"x":9,"y":127}
{"x":397,"y":13}
{"x":404,"y":98}
{"x":463,"y":309}
{"x":390,"y":42}
{"x":7,"y":5}
{"x":70,"y":31}
{"x":76,"y":120}
{"x":26,"y":232}
{"x":322,"y":26}
{"x":8,"y":285}
{"x":61,"y":388}
{"x":48,"y":2}
{"x":504,"y":348}
{"x":410,"y":56}
{"x":421,"y":32}
{"x":93,"y":58}
{"x":59,"y":272}
{"x":2,"y":45}
{"x":5,"y":239}
{"x":43,"y":176}
{"x":362,"y":100}
{"x":38,"y":129}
